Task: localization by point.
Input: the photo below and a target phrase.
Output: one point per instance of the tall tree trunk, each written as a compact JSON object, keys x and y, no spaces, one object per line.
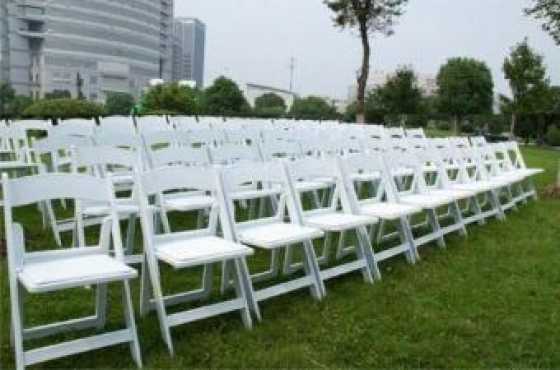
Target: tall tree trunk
{"x":363,"y":75}
{"x":512,"y":127}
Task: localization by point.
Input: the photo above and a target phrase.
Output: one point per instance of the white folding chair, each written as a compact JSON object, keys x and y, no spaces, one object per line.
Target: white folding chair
{"x":334,"y":218}
{"x":46,"y":271}
{"x":270,"y":232}
{"x":373,"y":193}
{"x":189,"y":249}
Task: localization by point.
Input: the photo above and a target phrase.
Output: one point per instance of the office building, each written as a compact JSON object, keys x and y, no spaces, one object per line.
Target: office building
{"x":189,"y":47}
{"x":87,"y":47}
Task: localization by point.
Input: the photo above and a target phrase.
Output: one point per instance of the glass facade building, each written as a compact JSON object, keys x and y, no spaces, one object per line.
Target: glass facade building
{"x":189,"y":48}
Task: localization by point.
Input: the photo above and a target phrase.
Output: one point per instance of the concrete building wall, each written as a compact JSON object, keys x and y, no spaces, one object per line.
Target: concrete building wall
{"x":189,"y":50}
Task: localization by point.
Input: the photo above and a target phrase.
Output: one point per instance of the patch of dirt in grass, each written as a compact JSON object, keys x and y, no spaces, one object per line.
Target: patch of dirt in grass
{"x":552,"y":191}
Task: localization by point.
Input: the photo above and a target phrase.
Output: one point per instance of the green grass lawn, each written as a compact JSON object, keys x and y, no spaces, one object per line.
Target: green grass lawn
{"x":491,"y":300}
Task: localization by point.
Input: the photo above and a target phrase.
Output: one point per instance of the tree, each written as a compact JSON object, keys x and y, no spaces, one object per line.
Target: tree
{"x":170,"y":99}
{"x":526,"y":74}
{"x":465,"y":87}
{"x":270,"y":106}
{"x":118,"y":103}
{"x":369,"y":17}
{"x":313,"y":108}
{"x":225,"y":98}
{"x":549,"y":12}
{"x":7,"y":94}
{"x":400,"y":95}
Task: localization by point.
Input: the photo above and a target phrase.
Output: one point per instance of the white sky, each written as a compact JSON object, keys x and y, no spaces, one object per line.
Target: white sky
{"x":253,"y":40}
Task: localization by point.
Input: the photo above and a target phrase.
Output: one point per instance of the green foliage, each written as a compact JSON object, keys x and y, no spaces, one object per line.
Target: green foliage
{"x":58,"y":94}
{"x":465,"y":87}
{"x":18,"y":105}
{"x":549,"y":12}
{"x":553,"y":136}
{"x":401,"y":94}
{"x":119,"y":103}
{"x":64,"y":109}
{"x":375,"y":15}
{"x":526,"y":74}
{"x":313,"y":108}
{"x":224,"y":98}
{"x":269,"y":106}
{"x":170,"y":98}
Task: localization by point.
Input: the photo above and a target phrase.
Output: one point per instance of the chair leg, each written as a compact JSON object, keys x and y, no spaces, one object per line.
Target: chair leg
{"x":17,"y":322}
{"x":145,"y":289}
{"x":318,"y":290}
{"x":153,"y":270}
{"x":458,"y":217}
{"x":364,"y":250}
{"x":436,"y":227}
{"x":101,"y":305}
{"x":405,"y":232}
{"x":131,"y":324}
{"x":240,"y":290}
{"x":130,"y":234}
{"x":249,"y":291}
{"x":478,"y":210}
{"x":207,"y":280}
{"x":494,"y":200}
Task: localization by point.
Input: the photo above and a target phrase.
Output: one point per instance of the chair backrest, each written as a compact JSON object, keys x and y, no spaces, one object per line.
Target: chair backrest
{"x":78,"y":127}
{"x":280,"y":149}
{"x":118,"y":124}
{"x":100,"y":160}
{"x":53,"y":144}
{"x":146,"y":124}
{"x":183,"y":156}
{"x":28,"y":190}
{"x":119,"y":139}
{"x":228,"y":154}
{"x":34,"y":125}
{"x":161,"y":139}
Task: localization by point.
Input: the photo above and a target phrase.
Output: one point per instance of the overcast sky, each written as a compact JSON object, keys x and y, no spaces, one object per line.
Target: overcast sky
{"x":253,"y":40}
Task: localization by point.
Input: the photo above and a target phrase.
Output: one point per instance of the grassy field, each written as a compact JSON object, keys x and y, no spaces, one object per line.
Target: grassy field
{"x":490,"y":300}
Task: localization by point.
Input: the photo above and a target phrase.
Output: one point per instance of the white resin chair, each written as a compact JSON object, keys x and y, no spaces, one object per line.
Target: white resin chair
{"x":371,"y":192}
{"x":46,"y":271}
{"x":189,"y":249}
{"x":270,"y":232}
{"x":334,"y":218}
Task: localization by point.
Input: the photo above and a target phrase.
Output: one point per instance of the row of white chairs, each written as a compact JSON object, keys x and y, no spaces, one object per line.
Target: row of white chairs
{"x":391,"y":196}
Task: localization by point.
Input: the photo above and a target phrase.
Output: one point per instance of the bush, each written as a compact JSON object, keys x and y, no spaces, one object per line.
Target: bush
{"x":313,"y":108}
{"x":553,"y":136}
{"x":225,"y":98}
{"x":170,"y":98}
{"x":119,"y":104}
{"x":269,"y":106}
{"x":64,"y":109}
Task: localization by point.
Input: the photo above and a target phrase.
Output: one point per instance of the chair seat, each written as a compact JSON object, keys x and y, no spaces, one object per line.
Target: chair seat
{"x":338,"y":221}
{"x":9,"y":165}
{"x":477,"y":186}
{"x":256,"y":193}
{"x":124,"y":207}
{"x":274,"y":235}
{"x":365,"y":177}
{"x":453,"y":193}
{"x":198,"y":251}
{"x":529,"y":172}
{"x":389,"y":211}
{"x":188,"y":203}
{"x":122,"y":178}
{"x":510,"y":178}
{"x":73,"y":272}
{"x":428,"y":200}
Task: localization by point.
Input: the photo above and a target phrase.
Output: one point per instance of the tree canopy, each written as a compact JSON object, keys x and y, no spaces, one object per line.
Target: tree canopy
{"x":224,"y":98}
{"x":368,"y":17}
{"x":400,"y":95}
{"x":269,"y":105}
{"x":313,"y":108}
{"x":170,"y":98}
{"x":465,"y":87}
{"x":118,"y":103}
{"x":547,"y":11}
{"x":64,"y":109}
